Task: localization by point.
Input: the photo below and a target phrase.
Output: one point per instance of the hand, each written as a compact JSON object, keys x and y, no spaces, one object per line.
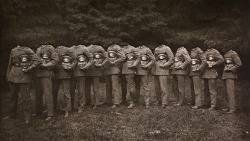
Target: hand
{"x":131,"y":66}
{"x":144,"y":66}
{"x":227,"y":69}
{"x":98,"y":65}
{"x":83,"y":68}
{"x":177,"y":67}
{"x":68,"y":68}
{"x":197,"y":69}
{"x":113,"y":63}
{"x":162,"y":66}
{"x":43,"y":65}
{"x":25,"y":69}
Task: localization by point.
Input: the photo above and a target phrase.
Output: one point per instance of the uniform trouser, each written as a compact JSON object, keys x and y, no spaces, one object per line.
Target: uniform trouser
{"x":80,"y":86}
{"x":137,"y":88}
{"x":44,"y":87}
{"x":95,"y":81}
{"x":72,"y":91}
{"x":144,"y":88}
{"x":161,"y":88}
{"x":130,"y":86}
{"x":65,"y":84}
{"x":124,"y":88}
{"x":25,"y":99}
{"x":196,"y":90}
{"x":113,"y":86}
{"x":179,"y":88}
{"x":210,"y":92}
{"x":229,"y":85}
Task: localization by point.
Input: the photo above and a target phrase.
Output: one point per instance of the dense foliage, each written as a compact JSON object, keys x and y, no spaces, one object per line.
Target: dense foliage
{"x":218,"y":23}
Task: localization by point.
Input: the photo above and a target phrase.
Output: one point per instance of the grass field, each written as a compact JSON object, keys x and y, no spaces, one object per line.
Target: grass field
{"x":172,"y":123}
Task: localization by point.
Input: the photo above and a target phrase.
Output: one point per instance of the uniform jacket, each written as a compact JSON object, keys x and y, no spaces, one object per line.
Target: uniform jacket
{"x":144,"y":66}
{"x":114,"y":66}
{"x":60,"y":72}
{"x":182,"y":65}
{"x":212,"y":72}
{"x":94,"y":69}
{"x":15,"y":73}
{"x":198,"y":54}
{"x":46,"y":71}
{"x":129,"y":64}
{"x":161,"y":67}
{"x":231,"y":73}
{"x":81,"y":50}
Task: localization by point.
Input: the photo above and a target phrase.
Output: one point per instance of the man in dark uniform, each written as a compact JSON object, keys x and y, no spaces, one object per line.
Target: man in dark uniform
{"x":180,"y":71}
{"x":22,"y":61}
{"x":232,"y":64}
{"x":63,"y":73}
{"x":146,"y":60}
{"x":113,"y":85}
{"x":210,"y":75}
{"x":83,"y":61}
{"x":129,"y":71}
{"x":164,"y":59}
{"x":198,"y":63}
{"x":44,"y":75}
{"x":94,"y":74}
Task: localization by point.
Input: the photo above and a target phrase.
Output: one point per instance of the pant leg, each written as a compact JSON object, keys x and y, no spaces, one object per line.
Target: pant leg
{"x":145,"y":88}
{"x":137,"y":87}
{"x":130,"y":86}
{"x":39,"y":96}
{"x":124,"y":88}
{"x":47,"y":89}
{"x":72,"y":91}
{"x":157,"y":89}
{"x":197,"y":89}
{"x":116,"y":93}
{"x":108,"y":89}
{"x":192,"y":91}
{"x":66,"y":92}
{"x":164,"y":89}
{"x":14,"y":98}
{"x":55,"y":87}
{"x":181,"y":88}
{"x":230,"y":94}
{"x":25,"y":100}
{"x":207,"y":101}
{"x":96,"y":88}
{"x":88,"y":81}
{"x":175,"y":88}
{"x":81,"y":92}
{"x":213,"y":92}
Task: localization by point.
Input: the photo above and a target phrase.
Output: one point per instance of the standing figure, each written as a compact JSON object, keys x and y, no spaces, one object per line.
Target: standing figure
{"x":164,"y":59}
{"x":22,"y":61}
{"x":63,"y":73}
{"x":83,"y":60}
{"x":94,"y":74}
{"x":210,"y":75}
{"x":113,"y":83}
{"x":180,"y":71}
{"x":198,"y":63}
{"x":128,"y":71}
{"x":232,"y":64}
{"x":44,"y":75}
{"x":146,"y":61}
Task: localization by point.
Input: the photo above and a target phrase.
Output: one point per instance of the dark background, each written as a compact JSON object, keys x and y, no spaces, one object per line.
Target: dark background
{"x":189,"y":23}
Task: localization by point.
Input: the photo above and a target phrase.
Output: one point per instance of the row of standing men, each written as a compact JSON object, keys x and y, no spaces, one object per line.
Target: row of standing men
{"x":54,"y":67}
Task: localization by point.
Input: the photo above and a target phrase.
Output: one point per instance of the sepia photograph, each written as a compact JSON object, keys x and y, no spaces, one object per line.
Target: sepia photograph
{"x":125,"y":70}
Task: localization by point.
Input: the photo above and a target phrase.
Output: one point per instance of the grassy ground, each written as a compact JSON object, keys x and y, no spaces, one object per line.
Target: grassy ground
{"x":173,"y":123}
